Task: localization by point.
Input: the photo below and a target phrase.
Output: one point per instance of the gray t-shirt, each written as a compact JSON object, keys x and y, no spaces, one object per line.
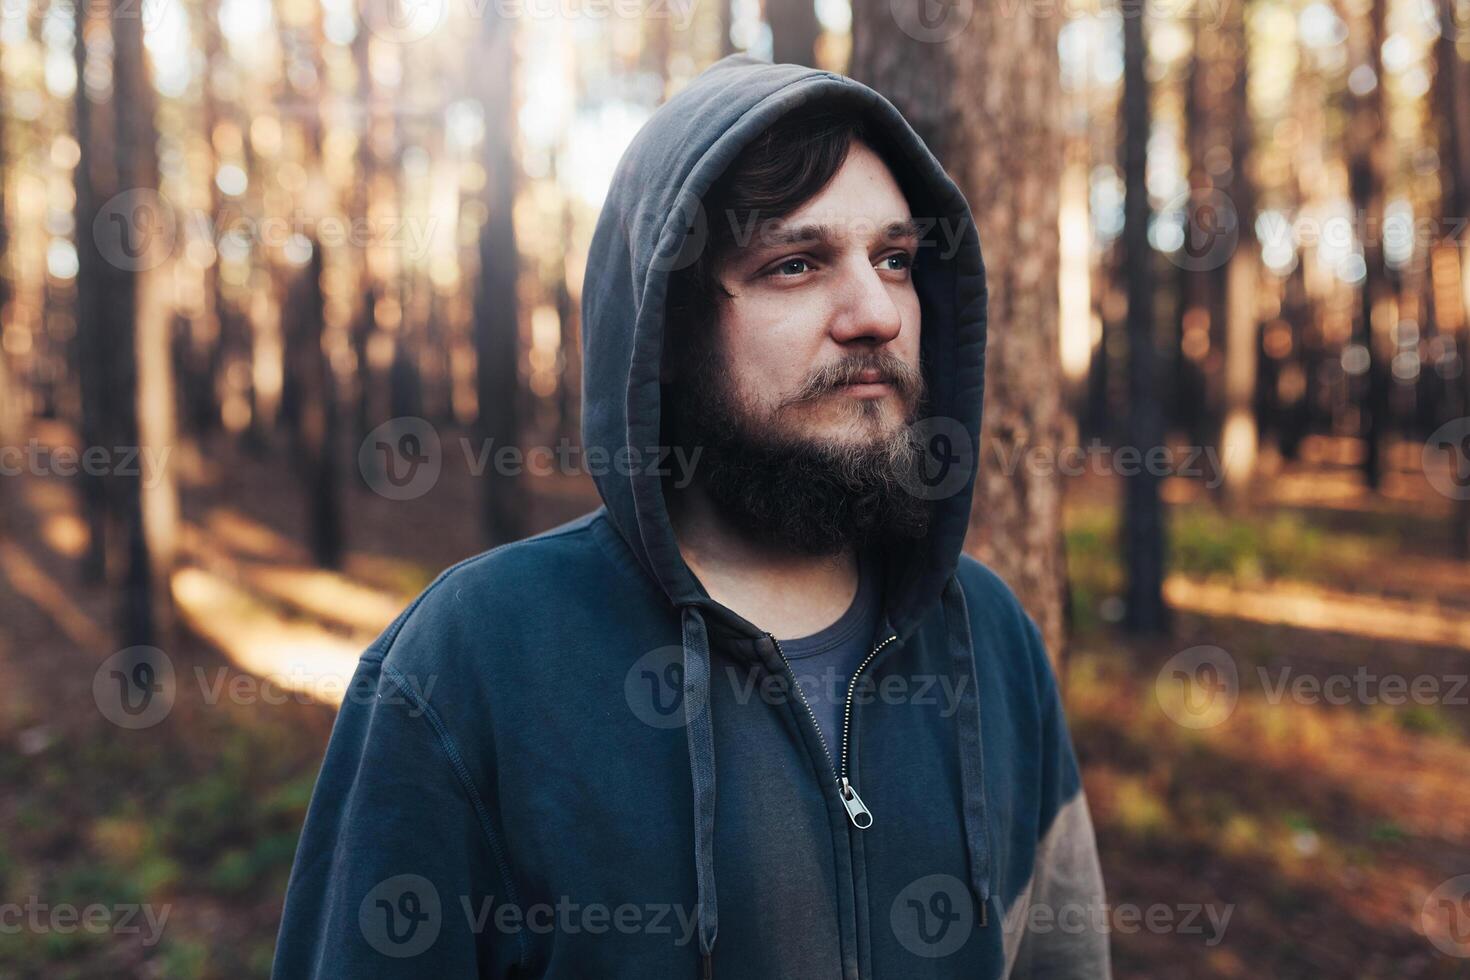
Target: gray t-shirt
{"x":823,"y":663}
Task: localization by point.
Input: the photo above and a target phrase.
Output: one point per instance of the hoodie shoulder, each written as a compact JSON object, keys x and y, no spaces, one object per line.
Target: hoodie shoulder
{"x":491,"y":600}
{"x":1000,"y":625}
{"x":987,"y":594}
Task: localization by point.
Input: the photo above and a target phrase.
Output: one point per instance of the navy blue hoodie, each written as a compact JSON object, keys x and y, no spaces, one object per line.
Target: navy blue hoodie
{"x":566,"y":760}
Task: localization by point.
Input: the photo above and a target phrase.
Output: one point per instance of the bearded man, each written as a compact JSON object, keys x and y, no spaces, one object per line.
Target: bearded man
{"x":768,"y":722}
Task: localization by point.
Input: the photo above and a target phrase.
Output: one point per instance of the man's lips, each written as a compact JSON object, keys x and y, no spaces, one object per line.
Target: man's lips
{"x":867,"y":384}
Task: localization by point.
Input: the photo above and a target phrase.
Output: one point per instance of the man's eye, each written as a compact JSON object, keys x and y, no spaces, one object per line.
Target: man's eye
{"x":791,"y":267}
{"x":903,"y":260}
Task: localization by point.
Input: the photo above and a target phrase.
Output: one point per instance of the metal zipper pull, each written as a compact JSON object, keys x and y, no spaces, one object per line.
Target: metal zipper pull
{"x":857,"y":811}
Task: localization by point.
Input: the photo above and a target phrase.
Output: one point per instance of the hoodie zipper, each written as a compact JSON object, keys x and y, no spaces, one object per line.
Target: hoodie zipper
{"x":857,"y":811}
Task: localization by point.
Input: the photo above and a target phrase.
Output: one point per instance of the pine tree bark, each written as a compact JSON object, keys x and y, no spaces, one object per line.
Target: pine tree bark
{"x":1239,"y":440}
{"x":1452,"y":89}
{"x":794,"y":31}
{"x":93,"y":147}
{"x":1143,"y":518}
{"x":1367,"y":149}
{"x":141,"y":406}
{"x":315,"y":429}
{"x":496,"y":316}
{"x":985,"y":94}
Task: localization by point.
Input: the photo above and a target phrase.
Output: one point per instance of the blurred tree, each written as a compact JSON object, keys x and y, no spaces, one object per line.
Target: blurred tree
{"x":359,"y":208}
{"x":984,"y":95}
{"x":569,"y":354}
{"x":504,"y":515}
{"x":309,"y":402}
{"x":1143,"y":518}
{"x":91,"y":182}
{"x":727,"y":21}
{"x":1201,"y":281}
{"x":140,"y":406}
{"x":1238,"y":436}
{"x":794,"y":31}
{"x":9,"y":402}
{"x":1367,"y":150}
{"x":1452,"y":265}
{"x":199,"y":340}
{"x":315,"y":411}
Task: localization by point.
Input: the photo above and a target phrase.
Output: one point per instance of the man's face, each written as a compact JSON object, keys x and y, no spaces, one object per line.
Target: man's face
{"x":800,"y":392}
{"x":819,"y":342}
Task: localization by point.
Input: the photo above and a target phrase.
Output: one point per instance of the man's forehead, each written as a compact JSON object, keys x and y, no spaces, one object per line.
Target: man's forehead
{"x":806,"y":228}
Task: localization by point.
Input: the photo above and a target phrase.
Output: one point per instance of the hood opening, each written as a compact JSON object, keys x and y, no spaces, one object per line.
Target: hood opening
{"x":652,"y":223}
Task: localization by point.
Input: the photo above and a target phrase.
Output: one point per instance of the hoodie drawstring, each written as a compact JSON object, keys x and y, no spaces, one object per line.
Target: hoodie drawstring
{"x":972,"y":763}
{"x":700,"y":730}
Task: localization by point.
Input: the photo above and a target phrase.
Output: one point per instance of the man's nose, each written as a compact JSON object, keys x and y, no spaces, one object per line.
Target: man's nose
{"x":866,"y":310}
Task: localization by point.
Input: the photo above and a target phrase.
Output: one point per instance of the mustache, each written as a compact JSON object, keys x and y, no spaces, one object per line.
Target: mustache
{"x":907,"y":379}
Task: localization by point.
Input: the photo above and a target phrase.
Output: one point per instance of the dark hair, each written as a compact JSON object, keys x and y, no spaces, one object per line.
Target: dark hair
{"x":783,"y":168}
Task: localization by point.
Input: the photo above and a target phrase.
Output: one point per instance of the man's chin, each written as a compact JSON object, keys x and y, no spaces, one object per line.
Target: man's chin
{"x":870,"y":441}
{"x":874,"y":424}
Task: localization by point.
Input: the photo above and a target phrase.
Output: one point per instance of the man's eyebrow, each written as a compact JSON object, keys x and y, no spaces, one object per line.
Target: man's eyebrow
{"x":907,"y":228}
{"x":805,"y":233}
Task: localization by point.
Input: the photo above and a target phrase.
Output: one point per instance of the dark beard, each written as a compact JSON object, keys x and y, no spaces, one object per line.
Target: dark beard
{"x":809,"y":498}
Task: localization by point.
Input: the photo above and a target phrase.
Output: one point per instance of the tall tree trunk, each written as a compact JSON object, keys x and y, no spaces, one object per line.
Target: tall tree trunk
{"x":202,"y":346}
{"x":569,"y":393}
{"x":313,"y":412}
{"x":142,"y":404}
{"x":1143,"y":518}
{"x":1366,"y":146}
{"x":794,"y":31}
{"x":8,"y":400}
{"x":1238,"y":437}
{"x":1452,"y":86}
{"x":984,"y":95}
{"x":727,"y":22}
{"x":1202,"y":279}
{"x":496,"y":318}
{"x":364,"y":323}
{"x":315,"y":433}
{"x":90,"y":343}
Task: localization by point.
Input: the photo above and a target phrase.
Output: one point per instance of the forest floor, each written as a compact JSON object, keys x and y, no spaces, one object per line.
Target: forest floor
{"x":1274,"y":795}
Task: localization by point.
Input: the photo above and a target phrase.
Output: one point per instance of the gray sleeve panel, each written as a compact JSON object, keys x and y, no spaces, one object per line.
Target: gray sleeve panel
{"x":1058,"y":927}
